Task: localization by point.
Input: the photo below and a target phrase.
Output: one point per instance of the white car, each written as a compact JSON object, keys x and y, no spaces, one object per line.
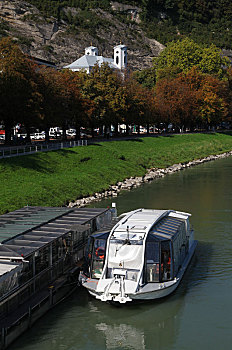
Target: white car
{"x":71,"y":132}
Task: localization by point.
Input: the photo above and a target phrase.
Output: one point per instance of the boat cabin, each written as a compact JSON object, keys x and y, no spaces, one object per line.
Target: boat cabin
{"x":155,"y":256}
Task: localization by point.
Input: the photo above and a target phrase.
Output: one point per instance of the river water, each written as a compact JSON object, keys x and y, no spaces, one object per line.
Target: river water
{"x":199,"y":313}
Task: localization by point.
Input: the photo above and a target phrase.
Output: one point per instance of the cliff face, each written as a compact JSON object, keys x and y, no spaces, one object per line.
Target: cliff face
{"x":48,"y":39}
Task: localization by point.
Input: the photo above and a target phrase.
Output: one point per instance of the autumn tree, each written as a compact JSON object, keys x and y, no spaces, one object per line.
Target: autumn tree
{"x":19,"y":96}
{"x":76,"y":108}
{"x":191,"y":99}
{"x":103,"y":87}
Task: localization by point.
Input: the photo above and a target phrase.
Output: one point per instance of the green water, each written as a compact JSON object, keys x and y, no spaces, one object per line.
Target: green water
{"x":198,"y":316}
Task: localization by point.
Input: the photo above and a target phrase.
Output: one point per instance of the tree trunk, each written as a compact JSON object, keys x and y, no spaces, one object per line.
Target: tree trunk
{"x":64,"y":132}
{"x":147,"y":128}
{"x":127,"y":129}
{"x":47,"y":134}
{"x":78,"y":132}
{"x":92,"y":131}
{"x":8,"y":132}
{"x":116,"y":129}
{"x":28,"y":138}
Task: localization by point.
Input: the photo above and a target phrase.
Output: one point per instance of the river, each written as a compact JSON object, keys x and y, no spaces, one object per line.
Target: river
{"x":199,"y":313}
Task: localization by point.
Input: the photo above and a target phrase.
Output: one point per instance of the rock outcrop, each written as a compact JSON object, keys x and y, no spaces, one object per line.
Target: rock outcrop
{"x":48,"y":39}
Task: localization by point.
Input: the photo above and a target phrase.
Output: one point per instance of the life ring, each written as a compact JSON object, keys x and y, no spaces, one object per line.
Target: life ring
{"x":100,"y":252}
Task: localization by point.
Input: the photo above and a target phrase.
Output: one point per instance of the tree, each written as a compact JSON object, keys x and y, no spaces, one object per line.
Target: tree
{"x":191,"y":99}
{"x":19,"y":96}
{"x":51,"y":105}
{"x":185,"y":54}
{"x":146,"y":77}
{"x":103,"y":87}
{"x":77,"y":109}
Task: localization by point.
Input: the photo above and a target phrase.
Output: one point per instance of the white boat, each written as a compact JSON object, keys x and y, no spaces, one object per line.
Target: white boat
{"x":144,"y":256}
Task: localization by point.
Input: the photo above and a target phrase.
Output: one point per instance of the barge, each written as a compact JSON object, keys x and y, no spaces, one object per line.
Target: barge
{"x":143,"y":257}
{"x":41,"y":252}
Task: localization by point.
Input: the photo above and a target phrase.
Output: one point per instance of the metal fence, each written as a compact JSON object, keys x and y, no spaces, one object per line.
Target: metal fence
{"x":14,"y":151}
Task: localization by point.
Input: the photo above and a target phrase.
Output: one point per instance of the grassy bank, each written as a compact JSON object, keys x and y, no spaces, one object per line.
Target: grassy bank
{"x":54,"y":178}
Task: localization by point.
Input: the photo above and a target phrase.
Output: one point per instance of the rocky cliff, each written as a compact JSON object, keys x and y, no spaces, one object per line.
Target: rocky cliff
{"x":56,"y":41}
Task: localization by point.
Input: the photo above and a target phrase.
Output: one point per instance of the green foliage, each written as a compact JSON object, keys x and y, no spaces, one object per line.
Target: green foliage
{"x":55,"y":7}
{"x":146,"y":77}
{"x":84,"y":20}
{"x":54,"y":178}
{"x":186,"y":54}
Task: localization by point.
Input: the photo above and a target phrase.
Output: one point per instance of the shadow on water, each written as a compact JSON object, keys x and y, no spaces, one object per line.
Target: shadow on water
{"x":198,"y":270}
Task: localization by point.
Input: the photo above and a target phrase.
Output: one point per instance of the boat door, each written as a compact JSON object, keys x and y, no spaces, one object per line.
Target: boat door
{"x":158,"y":260}
{"x":166,"y":265}
{"x":96,"y":254}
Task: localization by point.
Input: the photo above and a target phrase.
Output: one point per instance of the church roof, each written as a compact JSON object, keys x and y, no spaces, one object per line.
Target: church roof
{"x":120,"y":46}
{"x":88,"y":61}
{"x":91,"y":47}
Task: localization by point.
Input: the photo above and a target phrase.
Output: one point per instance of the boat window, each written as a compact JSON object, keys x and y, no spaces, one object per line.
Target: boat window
{"x":152,"y":262}
{"x":166,"y":265}
{"x":98,"y":257}
{"x":122,"y":241}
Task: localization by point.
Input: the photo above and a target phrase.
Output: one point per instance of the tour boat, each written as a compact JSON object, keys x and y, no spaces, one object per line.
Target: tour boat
{"x":143,"y":257}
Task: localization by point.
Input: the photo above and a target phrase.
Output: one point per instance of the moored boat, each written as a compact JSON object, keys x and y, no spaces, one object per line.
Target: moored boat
{"x":144,"y":256}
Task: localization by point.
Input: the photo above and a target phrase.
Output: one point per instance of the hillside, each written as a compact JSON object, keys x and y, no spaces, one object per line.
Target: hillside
{"x":62,"y":39}
{"x":59,"y":30}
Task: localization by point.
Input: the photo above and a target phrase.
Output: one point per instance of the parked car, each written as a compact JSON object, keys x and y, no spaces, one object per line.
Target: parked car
{"x":71,"y":133}
{"x":55,"y":132}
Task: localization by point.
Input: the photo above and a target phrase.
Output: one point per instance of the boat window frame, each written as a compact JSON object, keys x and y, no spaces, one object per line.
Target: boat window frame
{"x":95,"y":259}
{"x":145,"y":262}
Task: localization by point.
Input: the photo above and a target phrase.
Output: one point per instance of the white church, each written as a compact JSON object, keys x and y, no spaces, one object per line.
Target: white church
{"x":91,"y":58}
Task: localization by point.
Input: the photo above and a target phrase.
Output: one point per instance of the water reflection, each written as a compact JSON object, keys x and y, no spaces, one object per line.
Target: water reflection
{"x":122,"y":335}
{"x":85,"y":323}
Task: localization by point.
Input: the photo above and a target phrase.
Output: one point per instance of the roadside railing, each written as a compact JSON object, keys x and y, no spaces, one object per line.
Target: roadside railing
{"x":14,"y":151}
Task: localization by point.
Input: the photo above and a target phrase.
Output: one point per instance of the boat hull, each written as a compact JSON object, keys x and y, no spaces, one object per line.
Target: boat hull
{"x":150,"y":291}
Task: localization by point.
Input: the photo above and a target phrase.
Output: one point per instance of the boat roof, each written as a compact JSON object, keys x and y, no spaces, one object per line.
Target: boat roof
{"x":163,"y":224}
{"x":26,"y":230}
{"x":7,"y":266}
{"x":137,"y":223}
{"x":166,"y":228}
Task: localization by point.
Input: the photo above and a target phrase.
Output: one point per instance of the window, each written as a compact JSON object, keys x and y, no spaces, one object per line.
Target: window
{"x":152,"y":262}
{"x":117,"y":59}
{"x":166,"y":265}
{"x":98,"y":257}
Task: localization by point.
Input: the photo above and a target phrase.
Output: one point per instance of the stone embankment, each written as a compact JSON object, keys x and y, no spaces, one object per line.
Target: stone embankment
{"x":134,"y":182}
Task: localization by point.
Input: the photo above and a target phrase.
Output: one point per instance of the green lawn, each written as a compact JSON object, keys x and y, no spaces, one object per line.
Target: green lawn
{"x":54,"y":178}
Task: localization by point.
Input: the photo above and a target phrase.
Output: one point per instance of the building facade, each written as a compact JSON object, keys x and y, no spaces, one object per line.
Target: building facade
{"x":91,"y":58}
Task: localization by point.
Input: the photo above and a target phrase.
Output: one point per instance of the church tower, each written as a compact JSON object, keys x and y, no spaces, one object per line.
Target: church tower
{"x":91,"y":51}
{"x":120,"y":56}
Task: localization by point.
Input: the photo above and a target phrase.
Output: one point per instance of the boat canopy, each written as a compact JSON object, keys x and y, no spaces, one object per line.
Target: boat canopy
{"x":166,"y":229}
